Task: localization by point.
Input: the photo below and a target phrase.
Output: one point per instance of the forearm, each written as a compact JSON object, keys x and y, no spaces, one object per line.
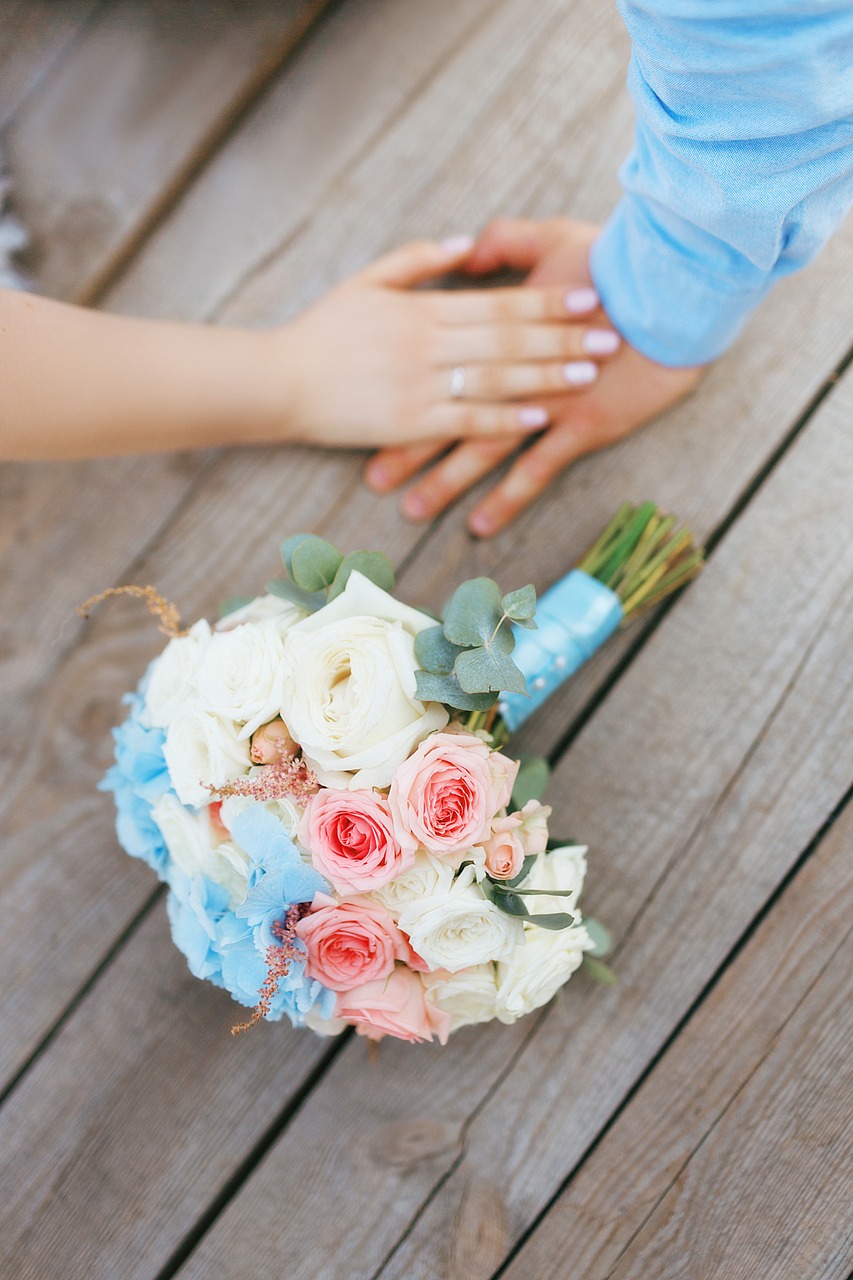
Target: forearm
{"x":742,"y":168}
{"x":79,"y":383}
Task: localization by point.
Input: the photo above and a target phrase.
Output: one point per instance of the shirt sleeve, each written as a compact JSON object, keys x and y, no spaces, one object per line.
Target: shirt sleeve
{"x":742,"y":166}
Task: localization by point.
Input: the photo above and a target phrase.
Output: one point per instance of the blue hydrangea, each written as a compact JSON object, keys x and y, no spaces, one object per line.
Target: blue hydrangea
{"x":222,"y":945}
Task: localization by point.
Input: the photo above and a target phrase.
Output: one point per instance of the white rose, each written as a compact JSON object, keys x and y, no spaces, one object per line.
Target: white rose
{"x":201,"y":748}
{"x":535,"y":972}
{"x":323,"y":1026}
{"x":349,"y":687}
{"x":428,"y":876}
{"x":240,"y":675}
{"x":469,"y":996}
{"x":188,"y":838}
{"x":263,"y":609}
{"x":173,"y":686}
{"x":283,"y":809}
{"x":461,"y":927}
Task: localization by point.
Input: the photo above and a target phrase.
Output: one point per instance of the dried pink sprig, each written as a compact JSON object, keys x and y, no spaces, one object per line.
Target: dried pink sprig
{"x":288,"y":779}
{"x":278,"y":961}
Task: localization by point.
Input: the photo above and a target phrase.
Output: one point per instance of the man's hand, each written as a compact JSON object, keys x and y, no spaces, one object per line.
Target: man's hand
{"x":629,"y":391}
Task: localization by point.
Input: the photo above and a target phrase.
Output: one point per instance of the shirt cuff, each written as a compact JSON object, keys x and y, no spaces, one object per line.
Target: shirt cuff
{"x":671,"y":289}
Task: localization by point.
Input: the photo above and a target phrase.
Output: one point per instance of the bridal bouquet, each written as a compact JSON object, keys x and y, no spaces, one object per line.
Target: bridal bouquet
{"x":320,"y":780}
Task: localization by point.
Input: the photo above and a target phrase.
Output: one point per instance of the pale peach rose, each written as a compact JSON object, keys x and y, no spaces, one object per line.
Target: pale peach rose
{"x":352,"y":841}
{"x":533,"y":832}
{"x":443,"y":798}
{"x":503,"y":849}
{"x":272,"y":743}
{"x":350,"y":943}
{"x":396,"y":1006}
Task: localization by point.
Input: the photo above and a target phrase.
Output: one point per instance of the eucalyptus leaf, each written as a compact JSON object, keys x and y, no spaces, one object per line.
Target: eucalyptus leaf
{"x":233,"y":604}
{"x":526,"y":868}
{"x":599,"y":971}
{"x":474,"y":613}
{"x":435,"y":652}
{"x":289,"y":546}
{"x":508,"y":902}
{"x":601,"y":937}
{"x":374,"y":565}
{"x":314,"y":563}
{"x":552,"y":920}
{"x":484,"y":670}
{"x":530,"y":781}
{"x":447,"y":689}
{"x":287,"y":590}
{"x":520,"y":605}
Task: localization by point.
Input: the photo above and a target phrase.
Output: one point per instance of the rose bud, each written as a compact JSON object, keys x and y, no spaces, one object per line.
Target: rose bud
{"x":272,"y":743}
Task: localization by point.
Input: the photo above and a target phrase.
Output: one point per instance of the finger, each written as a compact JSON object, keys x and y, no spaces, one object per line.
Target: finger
{"x":515,"y":381}
{"x":390,"y":468}
{"x":496,"y":306}
{"x":457,"y":420}
{"x":516,"y":343}
{"x":417,"y":262}
{"x":529,"y":476}
{"x":517,"y":243}
{"x":454,"y":474}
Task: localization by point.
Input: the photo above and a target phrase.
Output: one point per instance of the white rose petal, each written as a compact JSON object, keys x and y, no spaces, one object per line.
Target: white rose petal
{"x":323,"y":1026}
{"x":201,"y":748}
{"x":460,"y":928}
{"x":469,"y":996}
{"x":264,"y":609}
{"x":240,"y":675}
{"x":348,"y":692}
{"x":535,"y":972}
{"x":188,"y":838}
{"x":172,"y":687}
{"x":563,"y":869}
{"x":428,"y":876}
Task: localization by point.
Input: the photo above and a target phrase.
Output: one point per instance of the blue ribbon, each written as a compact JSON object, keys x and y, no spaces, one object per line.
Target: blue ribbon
{"x":574,"y":618}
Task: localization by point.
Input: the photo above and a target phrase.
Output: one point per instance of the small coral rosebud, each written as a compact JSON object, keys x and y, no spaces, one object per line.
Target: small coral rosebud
{"x":272,"y":743}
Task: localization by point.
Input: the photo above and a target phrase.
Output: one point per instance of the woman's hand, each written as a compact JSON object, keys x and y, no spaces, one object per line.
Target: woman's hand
{"x":372,"y":363}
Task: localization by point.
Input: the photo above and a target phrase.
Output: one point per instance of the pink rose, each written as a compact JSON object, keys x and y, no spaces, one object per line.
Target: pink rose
{"x":503,"y":849}
{"x":533,"y":832}
{"x":350,"y":943}
{"x":352,"y":840}
{"x":394,"y":1007}
{"x":445,"y":795}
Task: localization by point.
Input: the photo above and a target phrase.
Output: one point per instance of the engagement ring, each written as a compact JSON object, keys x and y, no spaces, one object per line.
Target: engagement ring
{"x":457,"y":382}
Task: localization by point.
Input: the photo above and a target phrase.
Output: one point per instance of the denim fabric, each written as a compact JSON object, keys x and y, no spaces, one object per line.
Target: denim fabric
{"x":741,"y":170}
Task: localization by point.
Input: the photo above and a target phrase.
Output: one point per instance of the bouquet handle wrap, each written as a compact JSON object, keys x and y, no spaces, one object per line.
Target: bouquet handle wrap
{"x":574,"y":618}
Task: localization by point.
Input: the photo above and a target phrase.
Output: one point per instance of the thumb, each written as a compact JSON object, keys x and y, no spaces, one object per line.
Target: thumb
{"x":517,"y":243}
{"x":417,"y":262}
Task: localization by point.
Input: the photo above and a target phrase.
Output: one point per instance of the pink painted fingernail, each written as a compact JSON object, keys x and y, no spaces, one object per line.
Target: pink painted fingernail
{"x":480,"y":524}
{"x":579,"y":301}
{"x":415,"y":506}
{"x":600,"y":342}
{"x":378,"y":476}
{"x":531,"y":418}
{"x":579,"y":372}
{"x":458,"y":244}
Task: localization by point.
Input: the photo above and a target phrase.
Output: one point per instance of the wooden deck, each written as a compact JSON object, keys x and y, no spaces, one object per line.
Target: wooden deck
{"x":227,"y":161}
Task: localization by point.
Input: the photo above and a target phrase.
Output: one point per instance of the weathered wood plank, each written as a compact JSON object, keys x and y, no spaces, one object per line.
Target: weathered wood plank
{"x":119,"y":1130}
{"x":698,"y":783}
{"x":110,"y":137}
{"x":696,"y":1088}
{"x":34,"y":34}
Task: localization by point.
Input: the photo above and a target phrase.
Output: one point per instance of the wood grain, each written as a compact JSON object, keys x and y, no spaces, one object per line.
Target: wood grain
{"x":698,"y":784}
{"x":695,"y":1089}
{"x":34,"y":35}
{"x":128,"y":114}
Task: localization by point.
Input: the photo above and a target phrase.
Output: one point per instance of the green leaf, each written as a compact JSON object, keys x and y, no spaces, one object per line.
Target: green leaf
{"x":434,"y":651}
{"x":375,"y":565}
{"x":600,"y":934}
{"x":508,"y":902}
{"x":314,"y":563}
{"x":447,"y":689}
{"x":530,"y":781}
{"x":287,"y":590}
{"x":233,"y":604}
{"x":289,"y":546}
{"x":552,"y":920}
{"x":520,"y":606}
{"x":526,"y":868}
{"x":484,"y":670}
{"x":474,"y":614}
{"x":599,"y":971}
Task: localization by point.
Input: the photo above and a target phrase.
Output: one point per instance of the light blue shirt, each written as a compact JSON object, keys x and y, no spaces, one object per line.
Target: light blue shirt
{"x":741,"y":170}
